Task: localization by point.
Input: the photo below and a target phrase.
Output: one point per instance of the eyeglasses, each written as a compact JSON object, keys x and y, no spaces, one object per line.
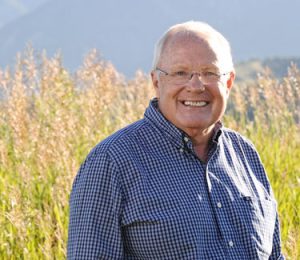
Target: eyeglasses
{"x":182,"y":77}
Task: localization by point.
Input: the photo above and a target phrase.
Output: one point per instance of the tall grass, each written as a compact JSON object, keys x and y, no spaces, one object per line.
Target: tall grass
{"x":50,"y":119}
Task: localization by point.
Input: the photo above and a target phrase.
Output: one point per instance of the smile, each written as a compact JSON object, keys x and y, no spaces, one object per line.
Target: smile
{"x":195,"y":103}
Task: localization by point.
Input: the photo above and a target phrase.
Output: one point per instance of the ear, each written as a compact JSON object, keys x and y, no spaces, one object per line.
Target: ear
{"x":230,"y":81}
{"x":155,"y":82}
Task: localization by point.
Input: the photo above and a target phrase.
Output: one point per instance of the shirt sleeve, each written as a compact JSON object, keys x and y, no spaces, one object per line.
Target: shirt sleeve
{"x":95,"y":206}
{"x":276,"y":250}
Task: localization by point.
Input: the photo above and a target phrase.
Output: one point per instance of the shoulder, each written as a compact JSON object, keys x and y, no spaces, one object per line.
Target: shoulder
{"x":105,"y":158}
{"x":235,"y":138}
{"x":115,"y":145}
{"x":244,"y":149}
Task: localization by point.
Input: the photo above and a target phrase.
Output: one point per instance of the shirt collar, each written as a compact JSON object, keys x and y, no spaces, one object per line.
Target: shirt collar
{"x":178,"y":137}
{"x":156,"y":118}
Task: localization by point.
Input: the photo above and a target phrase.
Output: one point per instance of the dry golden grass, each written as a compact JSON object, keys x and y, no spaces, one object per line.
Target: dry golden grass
{"x":50,"y":119}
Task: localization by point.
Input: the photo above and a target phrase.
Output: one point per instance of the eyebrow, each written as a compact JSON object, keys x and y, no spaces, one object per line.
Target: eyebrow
{"x":202,"y":68}
{"x":210,"y":67}
{"x":180,"y":66}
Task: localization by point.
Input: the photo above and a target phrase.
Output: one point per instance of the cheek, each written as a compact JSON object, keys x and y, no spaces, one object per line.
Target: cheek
{"x":169,"y":93}
{"x":162,"y":92}
{"x":157,"y":92}
{"x":221,"y":92}
{"x":220,"y":97}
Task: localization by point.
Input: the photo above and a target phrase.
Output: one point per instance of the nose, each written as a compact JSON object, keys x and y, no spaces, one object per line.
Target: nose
{"x":195,"y":82}
{"x":197,"y":74}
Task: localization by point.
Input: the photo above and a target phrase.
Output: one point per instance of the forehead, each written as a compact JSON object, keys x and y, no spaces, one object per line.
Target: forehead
{"x":189,"y":50}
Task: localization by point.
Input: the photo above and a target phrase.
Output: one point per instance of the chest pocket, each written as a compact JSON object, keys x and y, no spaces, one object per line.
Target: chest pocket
{"x":257,"y":218}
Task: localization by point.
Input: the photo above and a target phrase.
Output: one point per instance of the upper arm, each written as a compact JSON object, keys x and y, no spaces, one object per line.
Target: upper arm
{"x":261,"y":174}
{"x":95,"y":205}
{"x":276,"y":250}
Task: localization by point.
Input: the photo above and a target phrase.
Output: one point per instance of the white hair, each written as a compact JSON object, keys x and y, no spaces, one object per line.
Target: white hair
{"x":200,"y":29}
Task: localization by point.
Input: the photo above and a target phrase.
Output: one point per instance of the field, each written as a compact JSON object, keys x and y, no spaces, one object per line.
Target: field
{"x":50,"y":119}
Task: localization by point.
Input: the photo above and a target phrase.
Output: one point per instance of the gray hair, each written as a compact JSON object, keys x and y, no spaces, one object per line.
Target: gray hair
{"x":205,"y":31}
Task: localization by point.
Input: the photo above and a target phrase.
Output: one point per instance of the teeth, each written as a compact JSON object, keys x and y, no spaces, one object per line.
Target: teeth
{"x":195,"y":103}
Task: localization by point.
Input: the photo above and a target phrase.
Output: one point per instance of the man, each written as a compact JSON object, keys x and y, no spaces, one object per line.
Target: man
{"x":177,"y":184}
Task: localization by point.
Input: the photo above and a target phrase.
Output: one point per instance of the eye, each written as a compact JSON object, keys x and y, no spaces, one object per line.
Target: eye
{"x":209,"y":74}
{"x":180,"y":74}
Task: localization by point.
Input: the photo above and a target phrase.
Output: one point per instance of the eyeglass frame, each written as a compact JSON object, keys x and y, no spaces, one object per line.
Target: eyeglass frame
{"x":191,"y":74}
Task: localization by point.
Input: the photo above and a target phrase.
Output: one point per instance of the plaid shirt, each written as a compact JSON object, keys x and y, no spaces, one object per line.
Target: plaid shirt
{"x":142,"y":193}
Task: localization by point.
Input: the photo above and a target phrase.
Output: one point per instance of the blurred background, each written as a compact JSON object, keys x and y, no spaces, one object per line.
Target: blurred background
{"x":261,"y":32}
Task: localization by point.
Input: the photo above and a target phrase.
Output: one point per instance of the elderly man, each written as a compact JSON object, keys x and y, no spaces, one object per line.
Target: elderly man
{"x":177,"y":184}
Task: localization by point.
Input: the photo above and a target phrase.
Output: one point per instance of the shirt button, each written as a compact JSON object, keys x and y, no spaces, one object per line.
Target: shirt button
{"x":181,"y":150}
{"x":230,"y":243}
{"x":186,"y":139}
{"x":219,"y":205}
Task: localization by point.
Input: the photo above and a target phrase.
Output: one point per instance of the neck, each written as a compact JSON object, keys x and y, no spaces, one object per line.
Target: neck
{"x":201,"y":144}
{"x":202,"y":150}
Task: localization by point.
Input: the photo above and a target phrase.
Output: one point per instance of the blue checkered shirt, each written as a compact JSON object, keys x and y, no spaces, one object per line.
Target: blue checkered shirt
{"x":142,"y":193}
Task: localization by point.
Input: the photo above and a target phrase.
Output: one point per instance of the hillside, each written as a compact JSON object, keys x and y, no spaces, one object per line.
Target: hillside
{"x":248,"y":70}
{"x":125,"y":31}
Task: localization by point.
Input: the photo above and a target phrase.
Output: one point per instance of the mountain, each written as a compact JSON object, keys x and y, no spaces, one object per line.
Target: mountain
{"x":13,"y":9}
{"x":125,"y":31}
{"x":248,"y":71}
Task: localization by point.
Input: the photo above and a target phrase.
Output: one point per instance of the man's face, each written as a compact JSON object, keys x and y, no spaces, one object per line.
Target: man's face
{"x":192,"y":106}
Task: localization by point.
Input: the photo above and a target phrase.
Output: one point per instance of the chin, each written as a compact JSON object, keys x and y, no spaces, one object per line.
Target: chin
{"x":196,"y":122}
{"x":194,"y":125}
